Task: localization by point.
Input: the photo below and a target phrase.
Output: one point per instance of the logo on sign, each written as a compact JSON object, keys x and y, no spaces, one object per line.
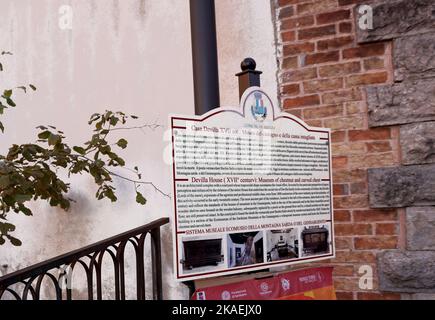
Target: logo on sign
{"x":285,"y":284}
{"x":226,"y":295}
{"x":259,"y":111}
{"x":264,"y":286}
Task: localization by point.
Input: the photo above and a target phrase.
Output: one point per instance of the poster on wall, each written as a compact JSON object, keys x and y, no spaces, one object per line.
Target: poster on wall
{"x":303,"y":284}
{"x":252,"y":189}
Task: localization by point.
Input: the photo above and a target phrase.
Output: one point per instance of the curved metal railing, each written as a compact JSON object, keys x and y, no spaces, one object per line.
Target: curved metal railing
{"x":27,"y":283}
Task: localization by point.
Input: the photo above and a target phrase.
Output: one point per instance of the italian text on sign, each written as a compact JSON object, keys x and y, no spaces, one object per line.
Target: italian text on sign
{"x":252,"y":189}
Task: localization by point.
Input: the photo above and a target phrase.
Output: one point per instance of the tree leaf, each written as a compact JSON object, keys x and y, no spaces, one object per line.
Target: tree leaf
{"x":2,"y":128}
{"x":4,"y":181}
{"x":122,"y":143}
{"x":16,"y":242}
{"x":44,"y":135}
{"x":20,"y":198}
{"x":53,"y":139}
{"x":10,"y":102}
{"x":79,"y":150}
{"x":7,"y":93}
{"x":140,"y":198}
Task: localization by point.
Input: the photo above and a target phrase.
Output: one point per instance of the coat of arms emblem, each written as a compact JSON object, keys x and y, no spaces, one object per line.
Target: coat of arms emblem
{"x":259,"y":111}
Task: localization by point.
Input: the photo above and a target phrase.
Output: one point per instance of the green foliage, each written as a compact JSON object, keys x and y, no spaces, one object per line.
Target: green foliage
{"x":29,"y":171}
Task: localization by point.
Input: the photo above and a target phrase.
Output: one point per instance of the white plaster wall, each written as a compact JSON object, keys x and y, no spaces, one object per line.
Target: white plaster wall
{"x":129,"y":55}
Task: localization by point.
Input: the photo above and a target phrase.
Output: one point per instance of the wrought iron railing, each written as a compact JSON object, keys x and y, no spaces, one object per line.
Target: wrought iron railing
{"x":27,"y":283}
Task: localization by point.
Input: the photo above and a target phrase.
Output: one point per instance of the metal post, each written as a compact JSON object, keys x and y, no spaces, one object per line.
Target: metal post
{"x":249,"y":77}
{"x":204,"y":55}
{"x":204,"y":63}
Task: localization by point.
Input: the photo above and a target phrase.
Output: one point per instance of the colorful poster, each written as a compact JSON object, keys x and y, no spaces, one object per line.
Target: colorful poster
{"x":252,"y":188}
{"x":304,"y":284}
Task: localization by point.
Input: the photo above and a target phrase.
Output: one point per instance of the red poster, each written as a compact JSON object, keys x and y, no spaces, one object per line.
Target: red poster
{"x":304,"y":284}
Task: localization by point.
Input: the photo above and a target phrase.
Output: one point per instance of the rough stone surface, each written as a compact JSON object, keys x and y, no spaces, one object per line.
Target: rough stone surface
{"x":414,"y":57}
{"x":417,"y":142}
{"x":402,"y":186}
{"x":407,"y":271}
{"x":398,"y":103}
{"x":420,"y":228}
{"x":419,"y":296}
{"x":392,"y":19}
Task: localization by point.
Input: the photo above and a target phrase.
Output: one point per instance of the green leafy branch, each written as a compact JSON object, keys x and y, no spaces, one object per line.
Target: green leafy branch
{"x":29,"y":172}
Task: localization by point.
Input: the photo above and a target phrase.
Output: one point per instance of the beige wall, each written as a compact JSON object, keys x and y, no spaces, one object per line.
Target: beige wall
{"x":129,"y":55}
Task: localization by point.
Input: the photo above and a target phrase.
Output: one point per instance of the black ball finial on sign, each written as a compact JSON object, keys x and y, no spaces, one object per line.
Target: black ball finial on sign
{"x":248,"y":64}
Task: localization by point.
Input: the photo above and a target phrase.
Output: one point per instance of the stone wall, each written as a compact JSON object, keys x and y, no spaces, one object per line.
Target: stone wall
{"x":375,"y":90}
{"x":409,"y":104}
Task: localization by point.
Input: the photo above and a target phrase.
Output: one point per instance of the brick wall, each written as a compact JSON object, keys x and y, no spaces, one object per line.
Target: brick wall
{"x":330,"y":75}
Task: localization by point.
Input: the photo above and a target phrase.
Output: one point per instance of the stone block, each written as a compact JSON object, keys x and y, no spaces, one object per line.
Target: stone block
{"x":420,"y":228}
{"x":402,"y":186}
{"x":393,"y":19}
{"x":417,"y":142}
{"x":414,"y":57}
{"x":407,"y":271}
{"x":399,"y":103}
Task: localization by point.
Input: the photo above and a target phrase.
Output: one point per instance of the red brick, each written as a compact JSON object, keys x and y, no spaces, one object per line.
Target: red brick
{"x":378,"y":146}
{"x":334,"y":43}
{"x":333,"y":16}
{"x":316,"y":32}
{"x":370,"y":134}
{"x":346,"y":283}
{"x":355,"y":256}
{"x":386,"y":228}
{"x":341,"y":123}
{"x":297,"y":22}
{"x":316,"y":6}
{"x":343,"y":176}
{"x":366,"y":50}
{"x":314,"y":123}
{"x":338,"y":136}
{"x":290,"y":63}
{"x":366,"y":79}
{"x":343,"y":243}
{"x":347,"y":2}
{"x":299,"y":74}
{"x":378,"y":296}
{"x":286,"y":12}
{"x":374,"y":215}
{"x":341,"y":189}
{"x":350,"y":229}
{"x":358,"y":188}
{"x":373,"y":63}
{"x":283,"y":3}
{"x":342,"y":96}
{"x":302,"y":101}
{"x":348,"y":202}
{"x":341,"y":215}
{"x":339,"y":162}
{"x":322,"y":57}
{"x":291,"y":89}
{"x":288,"y":36}
{"x":344,"y":295}
{"x":323,"y":85}
{"x":293,"y":49}
{"x":323,"y":112}
{"x":378,"y":242}
{"x":339,"y":69}
{"x":343,"y":270}
{"x":295,"y":112}
{"x":345,"y":27}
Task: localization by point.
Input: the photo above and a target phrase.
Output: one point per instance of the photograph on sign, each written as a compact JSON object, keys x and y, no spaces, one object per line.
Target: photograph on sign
{"x":252,"y":189}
